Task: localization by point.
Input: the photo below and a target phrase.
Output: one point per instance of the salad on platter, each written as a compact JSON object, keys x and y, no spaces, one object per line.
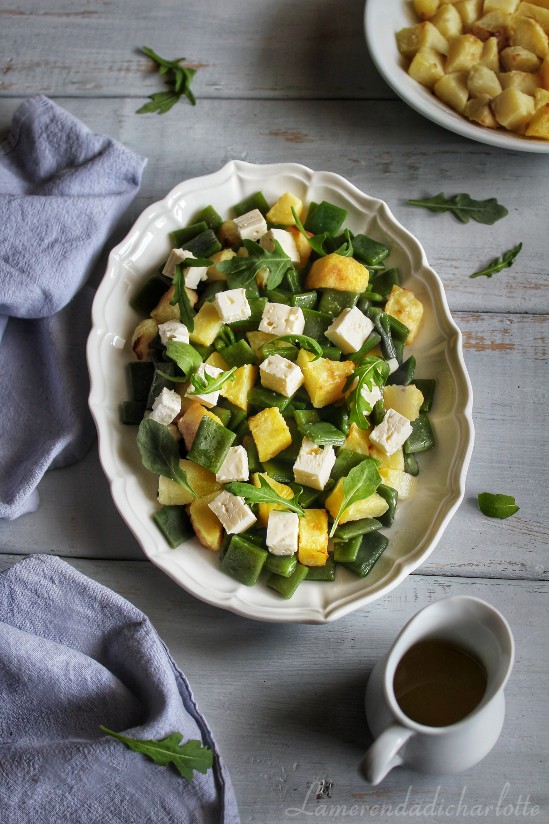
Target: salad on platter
{"x":275,"y":393}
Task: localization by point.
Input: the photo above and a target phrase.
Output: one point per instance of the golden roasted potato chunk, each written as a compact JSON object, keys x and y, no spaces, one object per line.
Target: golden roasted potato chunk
{"x":452,"y":90}
{"x":464,"y":52}
{"x":313,"y":538}
{"x":270,"y":433}
{"x":405,"y":307}
{"x":427,"y":67}
{"x":324,"y":379}
{"x":422,"y":35}
{"x":478,"y":110}
{"x":516,"y":58}
{"x":539,"y":124}
{"x":337,"y":272}
{"x":483,"y":81}
{"x":206,"y":525}
{"x":144,"y":334}
{"x":513,"y":109}
{"x":281,"y":212}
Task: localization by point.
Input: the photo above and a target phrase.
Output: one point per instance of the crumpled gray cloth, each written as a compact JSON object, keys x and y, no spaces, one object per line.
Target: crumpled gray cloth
{"x":74,"y":655}
{"x":62,"y":190}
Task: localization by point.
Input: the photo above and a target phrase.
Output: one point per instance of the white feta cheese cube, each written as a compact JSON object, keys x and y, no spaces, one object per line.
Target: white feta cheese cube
{"x":279,"y":319}
{"x":234,"y":514}
{"x":173,"y":330}
{"x":349,"y":330}
{"x":232,"y":305}
{"x":166,"y":406}
{"x":373,"y":395}
{"x":282,"y":532}
{"x":207,"y":399}
{"x":287,"y":243}
{"x":390,"y":434}
{"x":314,"y":464}
{"x":280,"y":375}
{"x":192,"y":274}
{"x":393,"y":365}
{"x":251,"y":225}
{"x":234,"y":467}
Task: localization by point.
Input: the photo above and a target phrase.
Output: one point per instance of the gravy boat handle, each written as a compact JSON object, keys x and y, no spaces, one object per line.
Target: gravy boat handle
{"x":383,"y":755}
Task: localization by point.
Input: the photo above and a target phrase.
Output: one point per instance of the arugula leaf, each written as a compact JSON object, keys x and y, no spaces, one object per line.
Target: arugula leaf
{"x":499,"y":263}
{"x":265,"y":494}
{"x":361,"y":482}
{"x":372,"y":371}
{"x":178,"y":78}
{"x":464,"y":208}
{"x":160,"y":452}
{"x":346,"y":248}
{"x":316,"y":242}
{"x":205,"y":384}
{"x":181,"y":298}
{"x":242,"y":270}
{"x":496,"y":505}
{"x":184,"y":355}
{"x":164,"y":751}
{"x":303,"y":341}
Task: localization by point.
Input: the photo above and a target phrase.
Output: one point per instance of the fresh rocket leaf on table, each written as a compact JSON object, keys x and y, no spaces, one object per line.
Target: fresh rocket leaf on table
{"x":499,"y":263}
{"x":242,"y":270}
{"x":296,"y":341}
{"x":361,"y":482}
{"x":160,"y":452}
{"x":191,"y":755}
{"x":178,"y":78}
{"x":265,"y":494}
{"x":464,"y":208}
{"x":496,"y":505}
{"x":205,"y":384}
{"x":372,"y":371}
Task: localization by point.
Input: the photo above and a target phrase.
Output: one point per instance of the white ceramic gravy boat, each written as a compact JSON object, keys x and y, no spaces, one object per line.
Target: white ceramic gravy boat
{"x":473,"y":625}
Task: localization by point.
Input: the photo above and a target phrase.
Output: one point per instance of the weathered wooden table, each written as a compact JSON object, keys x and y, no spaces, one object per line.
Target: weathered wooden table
{"x":280,"y":81}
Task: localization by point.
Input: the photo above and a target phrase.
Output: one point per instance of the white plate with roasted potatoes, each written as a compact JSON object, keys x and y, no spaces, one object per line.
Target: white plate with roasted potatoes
{"x":479,"y":68}
{"x":420,"y":521}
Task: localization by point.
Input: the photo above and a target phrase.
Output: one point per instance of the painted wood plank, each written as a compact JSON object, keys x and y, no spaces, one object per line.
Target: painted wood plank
{"x":286,"y":702}
{"x":385,"y":149}
{"x":249,"y":49}
{"x":506,"y":358}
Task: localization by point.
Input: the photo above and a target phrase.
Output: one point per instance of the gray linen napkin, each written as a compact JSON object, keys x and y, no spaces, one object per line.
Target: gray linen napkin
{"x":74,"y":655}
{"x":62,"y":189}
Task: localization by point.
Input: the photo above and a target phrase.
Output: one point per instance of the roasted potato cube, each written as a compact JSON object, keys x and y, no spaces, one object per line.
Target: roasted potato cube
{"x":405,"y":307}
{"x":202,"y":481}
{"x":469,"y":11}
{"x":537,"y":12}
{"x":404,"y":399}
{"x":427,"y":67}
{"x":452,"y":90}
{"x":337,"y":272}
{"x":207,"y":325}
{"x":270,"y":433}
{"x":313,"y":538}
{"x":541,"y":97}
{"x":263,"y":510}
{"x":236,"y":391}
{"x":144,"y":334}
{"x":513,"y":109}
{"x":281,"y":212}
{"x":206,"y":525}
{"x":421,"y":36}
{"x":228,"y":234}
{"x":404,"y":483}
{"x":523,"y":81}
{"x":483,"y":81}
{"x":216,"y":359}
{"x":324,"y":379}
{"x":528,"y":33}
{"x":508,"y":6}
{"x":302,"y":246}
{"x":213,"y":271}
{"x":478,"y":110}
{"x":448,"y":21}
{"x":189,"y":421}
{"x":463,"y":53}
{"x":494,"y":24}
{"x":358,"y":440}
{"x":539,"y":124}
{"x":164,"y":311}
{"x":425,"y":9}
{"x":371,"y":507}
{"x":515,"y":58}
{"x":490,"y":54}
{"x":257,"y":339}
{"x":394,"y":461}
